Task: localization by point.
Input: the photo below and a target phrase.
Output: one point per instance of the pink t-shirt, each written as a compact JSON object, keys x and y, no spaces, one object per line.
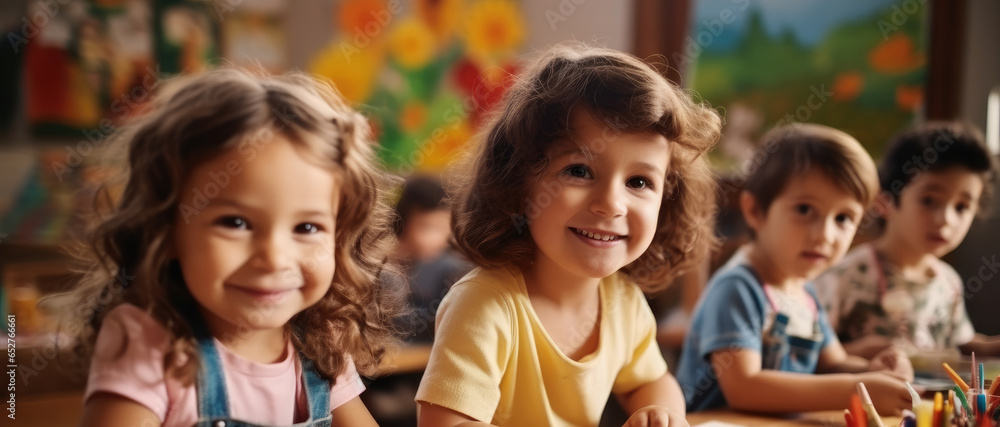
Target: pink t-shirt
{"x":258,"y":393}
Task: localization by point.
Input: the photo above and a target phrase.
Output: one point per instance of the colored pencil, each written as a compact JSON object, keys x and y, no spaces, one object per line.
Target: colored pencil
{"x":954,"y":377}
{"x":873,"y":419}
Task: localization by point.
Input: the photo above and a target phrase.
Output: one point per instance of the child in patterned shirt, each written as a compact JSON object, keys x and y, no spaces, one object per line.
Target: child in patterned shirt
{"x":935,"y":178}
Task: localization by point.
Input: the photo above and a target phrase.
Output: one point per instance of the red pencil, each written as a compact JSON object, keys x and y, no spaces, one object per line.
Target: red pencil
{"x":858,"y":412}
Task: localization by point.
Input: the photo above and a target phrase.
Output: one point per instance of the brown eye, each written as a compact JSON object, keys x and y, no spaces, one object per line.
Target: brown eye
{"x":578,"y":171}
{"x":308,"y":228}
{"x":233,"y":222}
{"x":638,"y":183}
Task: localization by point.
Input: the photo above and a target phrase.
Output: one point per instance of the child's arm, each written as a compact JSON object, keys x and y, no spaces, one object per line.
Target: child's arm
{"x":748,"y":387}
{"x":834,"y":359}
{"x":868,"y":346}
{"x":434,"y":415}
{"x":892,"y":361}
{"x":110,"y":410}
{"x":353,"y":413}
{"x":661,"y":398}
{"x":983,"y":345}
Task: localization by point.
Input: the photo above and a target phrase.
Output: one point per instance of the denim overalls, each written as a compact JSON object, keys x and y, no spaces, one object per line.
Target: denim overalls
{"x":213,"y":401}
{"x":797,"y":354}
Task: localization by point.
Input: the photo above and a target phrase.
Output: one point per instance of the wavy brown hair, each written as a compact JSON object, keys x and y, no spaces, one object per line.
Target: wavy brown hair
{"x":193,"y":119}
{"x":492,"y":188}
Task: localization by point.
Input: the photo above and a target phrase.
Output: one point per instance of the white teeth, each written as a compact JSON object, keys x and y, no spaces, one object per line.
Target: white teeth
{"x":598,"y":236}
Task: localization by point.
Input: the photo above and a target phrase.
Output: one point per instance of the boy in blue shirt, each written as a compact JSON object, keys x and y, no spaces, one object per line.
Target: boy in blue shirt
{"x":758,"y":332}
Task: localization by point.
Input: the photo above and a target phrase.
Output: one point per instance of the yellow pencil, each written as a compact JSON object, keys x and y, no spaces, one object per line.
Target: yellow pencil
{"x":954,"y":377}
{"x":866,"y":400}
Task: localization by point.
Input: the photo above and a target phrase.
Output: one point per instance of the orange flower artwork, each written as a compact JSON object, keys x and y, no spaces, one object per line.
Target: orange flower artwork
{"x":909,"y":98}
{"x":897,"y":55}
{"x":848,"y":85}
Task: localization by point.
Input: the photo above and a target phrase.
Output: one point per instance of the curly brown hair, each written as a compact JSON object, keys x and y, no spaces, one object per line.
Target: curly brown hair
{"x":492,"y":187}
{"x":194,"y":119}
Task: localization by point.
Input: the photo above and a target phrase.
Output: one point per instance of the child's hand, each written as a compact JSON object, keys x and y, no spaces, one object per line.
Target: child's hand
{"x":868,"y":346}
{"x":655,"y":416}
{"x":892,"y":361}
{"x":888,"y":393}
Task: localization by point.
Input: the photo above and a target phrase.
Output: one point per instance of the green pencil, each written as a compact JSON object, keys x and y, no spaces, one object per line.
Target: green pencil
{"x":961,"y":396}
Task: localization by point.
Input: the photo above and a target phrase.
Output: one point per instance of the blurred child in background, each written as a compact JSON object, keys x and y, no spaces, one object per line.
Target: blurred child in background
{"x":423,"y":229}
{"x":758,"y":333}
{"x":935,"y":179}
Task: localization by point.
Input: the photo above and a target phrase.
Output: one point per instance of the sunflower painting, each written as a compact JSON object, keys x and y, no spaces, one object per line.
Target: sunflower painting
{"x":425,"y":72}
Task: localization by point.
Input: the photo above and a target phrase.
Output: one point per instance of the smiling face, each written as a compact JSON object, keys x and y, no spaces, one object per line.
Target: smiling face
{"x":935,"y":211}
{"x":261,"y":249}
{"x":808,"y":227}
{"x":595,"y":207}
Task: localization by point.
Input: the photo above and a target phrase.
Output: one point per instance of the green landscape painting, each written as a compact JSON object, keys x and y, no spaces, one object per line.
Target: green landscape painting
{"x":857,"y":65}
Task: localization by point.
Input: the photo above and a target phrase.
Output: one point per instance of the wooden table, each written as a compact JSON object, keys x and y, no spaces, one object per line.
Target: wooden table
{"x":61,"y":409}
{"x":812,"y":419}
{"x":65,"y":409}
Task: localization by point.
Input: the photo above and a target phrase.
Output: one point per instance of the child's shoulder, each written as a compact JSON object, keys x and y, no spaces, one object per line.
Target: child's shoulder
{"x":502,"y":285}
{"x":946,"y":272}
{"x":127,"y":326}
{"x":861,"y":257}
{"x":736,"y":272}
{"x":133,"y":318}
{"x":859,"y":263}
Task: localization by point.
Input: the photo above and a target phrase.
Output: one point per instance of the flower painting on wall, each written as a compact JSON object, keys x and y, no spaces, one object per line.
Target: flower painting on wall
{"x":857,"y":65}
{"x":425,"y":72}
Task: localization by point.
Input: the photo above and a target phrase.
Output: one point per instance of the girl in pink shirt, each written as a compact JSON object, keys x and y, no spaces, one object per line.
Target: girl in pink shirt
{"x":235,"y":282}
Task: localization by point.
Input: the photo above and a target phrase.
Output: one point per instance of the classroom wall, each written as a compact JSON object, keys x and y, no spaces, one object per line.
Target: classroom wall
{"x":978,"y":258}
{"x":605,"y":22}
{"x":609,"y":22}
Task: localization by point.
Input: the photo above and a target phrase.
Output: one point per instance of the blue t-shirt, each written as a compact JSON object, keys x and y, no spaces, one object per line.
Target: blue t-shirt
{"x":731,"y":314}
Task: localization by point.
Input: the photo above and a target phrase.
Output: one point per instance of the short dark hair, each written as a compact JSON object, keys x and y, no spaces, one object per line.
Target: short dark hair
{"x":933,"y":147}
{"x":420,"y":194}
{"x":788,"y":151}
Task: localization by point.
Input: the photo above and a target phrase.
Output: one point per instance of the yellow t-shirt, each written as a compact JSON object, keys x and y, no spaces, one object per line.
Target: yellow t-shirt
{"x":493,"y":361}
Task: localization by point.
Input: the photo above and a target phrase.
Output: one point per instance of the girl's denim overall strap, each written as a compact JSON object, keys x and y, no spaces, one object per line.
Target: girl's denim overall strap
{"x":318,"y":393}
{"x":213,"y":400}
